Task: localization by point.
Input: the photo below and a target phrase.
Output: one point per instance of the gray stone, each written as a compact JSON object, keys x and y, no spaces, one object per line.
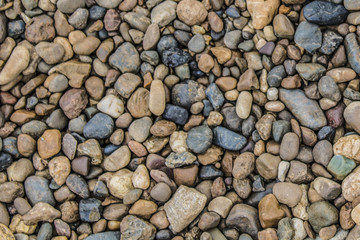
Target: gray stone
{"x":199,"y":139}
{"x":37,"y":190}
{"x":228,"y":139}
{"x":126,"y":58}
{"x":322,"y":214}
{"x":308,"y":36}
{"x":353,"y":51}
{"x":99,"y":127}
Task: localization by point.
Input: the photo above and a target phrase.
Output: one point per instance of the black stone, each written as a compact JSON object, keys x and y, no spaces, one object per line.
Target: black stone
{"x":248,"y":126}
{"x":199,"y":139}
{"x":78,"y":185}
{"x":228,"y":139}
{"x":175,"y":56}
{"x":90,"y":210}
{"x":176,"y":114}
{"x":217,"y":35}
{"x":276,"y":75}
{"x":195,"y":71}
{"x":331,"y":41}
{"x":99,"y":127}
{"x":5,"y":161}
{"x":326,"y":133}
{"x":325,"y":13}
{"x":210,"y":172}
{"x":164,"y":235}
{"x":100,"y":190}
{"x":10,"y":146}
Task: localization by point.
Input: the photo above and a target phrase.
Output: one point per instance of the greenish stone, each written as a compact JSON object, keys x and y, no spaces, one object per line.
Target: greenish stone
{"x":340,"y":166}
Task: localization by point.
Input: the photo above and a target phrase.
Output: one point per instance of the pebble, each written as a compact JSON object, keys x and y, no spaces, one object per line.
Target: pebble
{"x":99,"y":126}
{"x":228,"y":139}
{"x":267,"y":165}
{"x":322,"y":214}
{"x":286,"y":229}
{"x":340,"y":166}
{"x":49,"y":143}
{"x":283,"y":27}
{"x":43,"y":22}
{"x":289,"y":147}
{"x":199,"y":139}
{"x":41,"y":212}
{"x":157,"y":98}
{"x":299,"y":104}
{"x":350,"y":113}
{"x":135,"y":228}
{"x":243,"y":104}
{"x":326,"y":188}
{"x":348,"y":147}
{"x":126,"y":58}
{"x":59,"y":169}
{"x":308,"y":36}
{"x":287,"y":193}
{"x":262,"y":12}
{"x":270,"y":212}
{"x":73,"y":102}
{"x":176,"y":114}
{"x":191,"y":12}
{"x":77,"y":185}
{"x":90,"y":210}
{"x":5,"y":161}
{"x":174,"y":57}
{"x":21,"y":56}
{"x":245,"y":218}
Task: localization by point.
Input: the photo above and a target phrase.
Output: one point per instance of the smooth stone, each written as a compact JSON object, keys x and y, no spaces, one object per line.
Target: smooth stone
{"x":37,"y":190}
{"x":352,"y":5}
{"x":157,"y":98}
{"x":196,"y":43}
{"x":184,"y":207}
{"x":276,"y":75}
{"x":289,"y":147}
{"x":310,"y":71}
{"x":286,"y":229}
{"x":244,"y":104}
{"x":139,"y":129}
{"x":322,"y":214}
{"x":326,"y":188}
{"x":243,"y":165}
{"x":267,"y":165}
{"x":287,"y":193}
{"x":328,"y":89}
{"x":349,"y":189}
{"x":110,"y":235}
{"x":41,"y":212}
{"x":5,"y":161}
{"x":307,"y":111}
{"x":69,"y":6}
{"x":175,"y":160}
{"x":77,"y":185}
{"x":18,"y":62}
{"x":279,"y":129}
{"x":283,"y":27}
{"x":228,"y":139}
{"x":199,"y":139}
{"x":99,"y":127}
{"x":351,"y":115}
{"x":164,"y":13}
{"x":325,"y":13}
{"x":270,"y":212}
{"x":191,"y":12}
{"x":353,"y":51}
{"x":215,"y":96}
{"x":308,"y":36}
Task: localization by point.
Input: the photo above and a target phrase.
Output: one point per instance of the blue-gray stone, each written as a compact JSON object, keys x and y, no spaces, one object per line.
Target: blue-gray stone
{"x":276,"y":75}
{"x":174,"y":57}
{"x":279,"y":128}
{"x":285,"y":229}
{"x":164,"y":234}
{"x":37,"y":190}
{"x":104,"y":236}
{"x":100,"y":190}
{"x":308,"y":36}
{"x":207,"y":107}
{"x":99,"y":127}
{"x":90,"y":210}
{"x":248,"y":126}
{"x":325,"y":13}
{"x":97,"y":12}
{"x":10,"y":146}
{"x":5,"y":161}
{"x":228,"y":139}
{"x":353,"y":51}
{"x":326,"y":133}
{"x":16,"y":28}
{"x":210,"y":172}
{"x":126,"y":58}
{"x":199,"y":139}
{"x":231,"y":119}
{"x":110,"y":148}
{"x":351,"y":94}
{"x":176,"y":114}
{"x":215,"y":96}
{"x":307,"y":111}
{"x":233,"y":12}
{"x":187,"y":93}
{"x":45,"y":231}
{"x":78,"y":185}
{"x":166,"y":42}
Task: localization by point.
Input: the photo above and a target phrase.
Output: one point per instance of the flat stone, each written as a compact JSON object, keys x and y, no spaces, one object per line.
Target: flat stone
{"x":287,"y":193}
{"x":228,"y":139}
{"x":340,"y":166}
{"x":325,"y":13}
{"x":184,"y":207}
{"x":307,"y":111}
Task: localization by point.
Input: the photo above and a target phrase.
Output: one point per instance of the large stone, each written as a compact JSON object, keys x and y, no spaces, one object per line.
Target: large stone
{"x":270,"y":211}
{"x":191,"y":12}
{"x":41,"y":212}
{"x":228,"y":139}
{"x":348,"y":146}
{"x":340,"y":166}
{"x":37,"y":190}
{"x":308,"y":36}
{"x":18,"y":62}
{"x":322,"y":214}
{"x":49,"y":143}
{"x":307,"y":111}
{"x":184,"y":207}
{"x":350,"y":189}
{"x":325,"y":13}
{"x":133,"y":228}
{"x":262,"y":11}
{"x":351,"y":115}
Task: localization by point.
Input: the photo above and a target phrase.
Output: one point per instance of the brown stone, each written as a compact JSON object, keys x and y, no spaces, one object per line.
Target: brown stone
{"x":248,"y":81}
{"x":262,"y":12}
{"x":41,"y":29}
{"x":41,"y":212}
{"x":270,"y":212}
{"x":73,"y":102}
{"x":138,"y":104}
{"x":244,"y":165}
{"x":143,"y":208}
{"x":215,"y":22}
{"x":191,"y":12}
{"x":211,"y":155}
{"x":345,"y":219}
{"x":26,"y":145}
{"x":163,"y":128}
{"x":59,"y":169}
{"x":49,"y":144}
{"x":22,"y":116}
{"x":226,"y":83}
{"x":206,"y":63}
{"x":222,"y":54}
{"x":70,"y":211}
{"x":348,"y":146}
{"x":186,"y":175}
{"x":268,"y":234}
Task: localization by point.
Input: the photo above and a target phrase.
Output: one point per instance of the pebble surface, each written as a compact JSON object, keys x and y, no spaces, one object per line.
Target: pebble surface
{"x":179,"y":120}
